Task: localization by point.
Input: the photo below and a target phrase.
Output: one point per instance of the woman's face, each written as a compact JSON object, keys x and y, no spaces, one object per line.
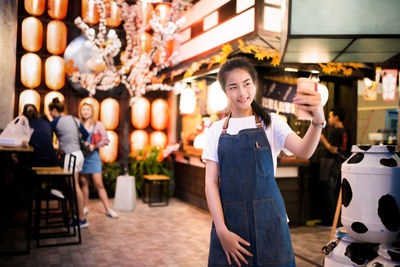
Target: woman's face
{"x":240,"y":90}
{"x":86,"y":112}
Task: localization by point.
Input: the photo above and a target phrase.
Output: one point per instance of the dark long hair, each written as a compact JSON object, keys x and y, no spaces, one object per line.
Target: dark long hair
{"x":57,"y":105}
{"x":243,"y":64}
{"x":30,"y":112}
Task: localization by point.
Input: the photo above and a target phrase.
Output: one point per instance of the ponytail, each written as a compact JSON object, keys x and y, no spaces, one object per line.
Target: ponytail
{"x":261,"y":112}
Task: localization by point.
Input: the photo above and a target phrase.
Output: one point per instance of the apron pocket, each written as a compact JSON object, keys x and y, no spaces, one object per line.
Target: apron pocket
{"x":261,"y":157}
{"x":272,"y":233}
{"x":235,"y":214}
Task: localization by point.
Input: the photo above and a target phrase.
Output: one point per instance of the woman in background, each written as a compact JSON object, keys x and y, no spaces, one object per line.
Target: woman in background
{"x":67,"y":130}
{"x":92,"y":164}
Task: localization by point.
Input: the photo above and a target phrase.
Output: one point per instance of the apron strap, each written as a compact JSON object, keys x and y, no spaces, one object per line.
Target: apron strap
{"x":225,"y":127}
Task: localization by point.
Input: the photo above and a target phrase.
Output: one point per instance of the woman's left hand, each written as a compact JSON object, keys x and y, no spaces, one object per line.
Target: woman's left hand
{"x":311,"y":101}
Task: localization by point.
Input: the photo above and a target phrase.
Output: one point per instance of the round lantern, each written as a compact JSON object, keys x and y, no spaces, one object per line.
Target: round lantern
{"x":29,"y":97}
{"x":56,"y":37}
{"x":146,"y":10}
{"x":31,"y":70}
{"x":90,"y":14}
{"x":217,"y":99}
{"x":168,"y":49}
{"x":109,"y":113}
{"x":57,"y":9}
{"x":109,"y":152}
{"x":139,"y":140}
{"x":48,"y":98}
{"x":34,"y":7}
{"x":158,"y":139}
{"x":187,"y":102}
{"x":95,"y":104}
{"x":371,"y":175}
{"x":145,"y":42}
{"x":113,"y":14}
{"x":159,"y":114}
{"x":31,"y":34}
{"x":54,"y":72}
{"x":163,"y":12}
{"x":140,"y":113}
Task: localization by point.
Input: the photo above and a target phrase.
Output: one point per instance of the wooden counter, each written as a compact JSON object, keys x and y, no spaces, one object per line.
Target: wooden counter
{"x":292,"y":177}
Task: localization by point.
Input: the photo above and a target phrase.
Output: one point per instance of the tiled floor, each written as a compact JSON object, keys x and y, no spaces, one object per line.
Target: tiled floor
{"x":176,"y":235}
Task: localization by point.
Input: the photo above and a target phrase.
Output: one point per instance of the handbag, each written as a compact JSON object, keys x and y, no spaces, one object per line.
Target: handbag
{"x":82,"y":143}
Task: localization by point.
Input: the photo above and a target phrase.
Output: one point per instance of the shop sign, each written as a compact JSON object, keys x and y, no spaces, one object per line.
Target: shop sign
{"x":389,"y":84}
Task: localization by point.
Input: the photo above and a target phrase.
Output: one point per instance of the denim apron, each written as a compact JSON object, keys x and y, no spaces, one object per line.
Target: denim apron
{"x":252,"y":203}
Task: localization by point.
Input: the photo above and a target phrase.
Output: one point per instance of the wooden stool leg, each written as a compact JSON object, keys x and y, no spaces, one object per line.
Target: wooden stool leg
{"x":337,"y":212}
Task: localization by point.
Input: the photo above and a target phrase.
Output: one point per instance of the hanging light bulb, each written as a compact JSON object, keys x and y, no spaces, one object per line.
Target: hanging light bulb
{"x":217,"y":99}
{"x":187,"y":101}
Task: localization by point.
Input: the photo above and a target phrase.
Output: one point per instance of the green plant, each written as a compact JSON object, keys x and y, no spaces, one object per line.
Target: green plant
{"x":148,"y":161}
{"x":110,"y":173}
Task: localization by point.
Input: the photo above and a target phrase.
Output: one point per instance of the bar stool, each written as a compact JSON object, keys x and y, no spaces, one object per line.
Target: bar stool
{"x":162,"y":181}
{"x":69,"y":205}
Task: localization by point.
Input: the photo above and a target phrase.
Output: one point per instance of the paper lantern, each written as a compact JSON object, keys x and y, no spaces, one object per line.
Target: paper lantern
{"x":217,"y":99}
{"x":31,"y":34}
{"x":169,"y":49}
{"x":90,"y":14}
{"x":29,"y":97}
{"x":57,"y":9}
{"x":163,"y":12}
{"x":139,"y":140}
{"x":187,"y":102}
{"x":158,"y":139}
{"x":140,"y":113}
{"x":113,"y":14}
{"x":145,"y":42}
{"x":56,"y":37}
{"x":54,"y":72}
{"x":109,"y":113}
{"x":109,"y":152}
{"x":34,"y":7}
{"x":48,"y":98}
{"x":31,"y":70}
{"x":146,"y":10}
{"x":159,"y":114}
{"x":95,"y":104}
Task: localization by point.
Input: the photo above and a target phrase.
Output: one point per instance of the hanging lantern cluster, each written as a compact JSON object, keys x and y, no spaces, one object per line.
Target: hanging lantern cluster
{"x":143,"y":114}
{"x":32,"y":41}
{"x":150,"y":31}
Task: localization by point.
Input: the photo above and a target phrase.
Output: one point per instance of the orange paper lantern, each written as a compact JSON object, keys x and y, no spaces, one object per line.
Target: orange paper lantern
{"x":31,"y":34}
{"x":159,"y":114}
{"x":57,"y":9}
{"x":90,"y":14}
{"x":47,"y":100}
{"x":140,"y":113}
{"x":139,"y":140}
{"x":56,"y":37}
{"x":31,"y":70}
{"x":145,"y":42}
{"x":109,"y":113}
{"x":29,"y":97}
{"x":163,"y":12}
{"x":158,"y":139}
{"x":54,"y":72}
{"x":95,"y":104}
{"x":169,"y":49}
{"x":109,"y":152}
{"x":34,"y":7}
{"x":146,"y":10}
{"x":113,"y":14}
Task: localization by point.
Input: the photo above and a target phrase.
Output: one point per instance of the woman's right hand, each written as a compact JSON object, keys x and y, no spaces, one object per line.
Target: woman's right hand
{"x":231,"y":243}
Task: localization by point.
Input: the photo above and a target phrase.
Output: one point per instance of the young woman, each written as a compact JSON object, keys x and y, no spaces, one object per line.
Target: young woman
{"x":250,"y":224}
{"x":92,"y":165}
{"x":66,"y":129}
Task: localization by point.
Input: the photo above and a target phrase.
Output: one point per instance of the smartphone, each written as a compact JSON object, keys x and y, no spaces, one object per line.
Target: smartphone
{"x":305,"y":85}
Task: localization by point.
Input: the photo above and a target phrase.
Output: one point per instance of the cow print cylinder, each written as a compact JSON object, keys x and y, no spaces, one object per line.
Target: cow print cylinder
{"x":351,"y":252}
{"x":388,"y":257}
{"x":371,"y":194}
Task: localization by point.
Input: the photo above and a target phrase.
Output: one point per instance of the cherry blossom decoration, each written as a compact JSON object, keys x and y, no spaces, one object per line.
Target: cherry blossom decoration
{"x":139,"y":67}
